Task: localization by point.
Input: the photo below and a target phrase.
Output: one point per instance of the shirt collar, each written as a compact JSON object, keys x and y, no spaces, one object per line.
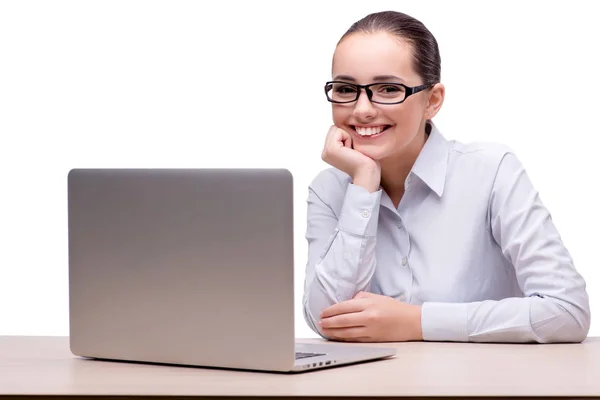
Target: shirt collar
{"x":432,"y":161}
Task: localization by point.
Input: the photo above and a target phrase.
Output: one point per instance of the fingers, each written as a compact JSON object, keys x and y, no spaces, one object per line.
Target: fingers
{"x":354,"y":334}
{"x":336,"y":139}
{"x":331,"y":135}
{"x":346,"y":139}
{"x":343,"y":321}
{"x":337,"y":136}
{"x":345,"y":307}
{"x":331,"y":142}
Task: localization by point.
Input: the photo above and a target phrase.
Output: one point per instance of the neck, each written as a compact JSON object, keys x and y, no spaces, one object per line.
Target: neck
{"x":395,"y":169}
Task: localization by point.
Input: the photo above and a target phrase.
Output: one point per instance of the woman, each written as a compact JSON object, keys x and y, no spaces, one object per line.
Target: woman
{"x":415,"y":237}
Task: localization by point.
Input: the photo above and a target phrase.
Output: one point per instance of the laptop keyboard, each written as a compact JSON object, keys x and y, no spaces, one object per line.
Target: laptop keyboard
{"x":300,"y":355}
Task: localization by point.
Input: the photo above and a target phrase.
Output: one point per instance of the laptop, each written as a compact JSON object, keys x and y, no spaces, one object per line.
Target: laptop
{"x":189,"y":267}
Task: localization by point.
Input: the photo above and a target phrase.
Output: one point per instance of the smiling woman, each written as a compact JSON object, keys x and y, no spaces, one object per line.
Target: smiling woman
{"x":412,"y":236}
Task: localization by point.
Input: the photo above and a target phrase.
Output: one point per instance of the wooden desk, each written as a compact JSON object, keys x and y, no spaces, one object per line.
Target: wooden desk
{"x":44,"y":367}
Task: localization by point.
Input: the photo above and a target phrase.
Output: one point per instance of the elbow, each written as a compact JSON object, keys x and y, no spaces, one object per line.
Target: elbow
{"x":565,"y":322}
{"x":311,"y":322}
{"x":575,"y":333}
{"x":580,"y":325}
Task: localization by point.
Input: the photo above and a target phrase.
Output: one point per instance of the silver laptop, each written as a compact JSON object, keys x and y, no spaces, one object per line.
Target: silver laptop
{"x":189,"y":267}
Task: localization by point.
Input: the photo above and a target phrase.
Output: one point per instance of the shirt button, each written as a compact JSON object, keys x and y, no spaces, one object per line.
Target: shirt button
{"x":400,"y":225}
{"x":365,"y":213}
{"x":401,"y":297}
{"x":404,"y":260}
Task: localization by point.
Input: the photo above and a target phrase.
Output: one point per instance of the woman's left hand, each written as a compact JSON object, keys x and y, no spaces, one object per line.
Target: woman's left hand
{"x":371,"y":317}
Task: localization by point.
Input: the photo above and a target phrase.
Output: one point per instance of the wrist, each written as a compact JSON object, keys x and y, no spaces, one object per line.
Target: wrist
{"x":368,"y":179}
{"x":417,"y":325}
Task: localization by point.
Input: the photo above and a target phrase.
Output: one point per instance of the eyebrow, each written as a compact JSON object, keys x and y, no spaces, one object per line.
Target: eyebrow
{"x":375,"y":78}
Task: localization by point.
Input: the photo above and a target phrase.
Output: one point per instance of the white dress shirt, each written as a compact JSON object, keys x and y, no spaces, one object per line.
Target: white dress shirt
{"x":470,"y":241}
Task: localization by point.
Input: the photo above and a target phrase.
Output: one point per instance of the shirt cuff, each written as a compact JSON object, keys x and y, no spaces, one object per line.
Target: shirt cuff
{"x":442,"y":322}
{"x":360,"y":211}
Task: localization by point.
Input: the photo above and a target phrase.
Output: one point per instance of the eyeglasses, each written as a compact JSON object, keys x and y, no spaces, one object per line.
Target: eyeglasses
{"x":382,"y":93}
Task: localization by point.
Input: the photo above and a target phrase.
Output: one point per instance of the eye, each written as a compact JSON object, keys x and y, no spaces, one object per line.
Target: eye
{"x":390,"y":89}
{"x":344,"y":89}
{"x":341,"y":92}
{"x":388,"y":92}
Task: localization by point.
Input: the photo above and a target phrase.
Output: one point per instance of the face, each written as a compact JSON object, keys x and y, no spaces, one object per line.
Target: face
{"x":364,"y":57}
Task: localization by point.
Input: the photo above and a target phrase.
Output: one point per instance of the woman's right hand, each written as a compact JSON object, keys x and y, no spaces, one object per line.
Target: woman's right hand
{"x":338,"y":152}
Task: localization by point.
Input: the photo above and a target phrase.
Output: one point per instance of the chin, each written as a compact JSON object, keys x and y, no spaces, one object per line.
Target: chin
{"x":372,"y":152}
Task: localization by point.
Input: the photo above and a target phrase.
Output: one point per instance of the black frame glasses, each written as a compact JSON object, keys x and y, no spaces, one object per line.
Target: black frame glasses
{"x":409,"y":91}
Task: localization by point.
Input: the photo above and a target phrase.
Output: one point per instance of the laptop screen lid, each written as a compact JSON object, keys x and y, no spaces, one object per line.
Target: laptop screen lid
{"x":183,"y":266}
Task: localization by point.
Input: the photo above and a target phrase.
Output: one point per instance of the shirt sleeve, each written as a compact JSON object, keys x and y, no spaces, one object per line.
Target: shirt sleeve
{"x":341,"y":250}
{"x":555,"y":305}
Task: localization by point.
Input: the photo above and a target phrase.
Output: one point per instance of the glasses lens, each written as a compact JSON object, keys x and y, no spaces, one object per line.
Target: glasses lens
{"x":341,"y":92}
{"x":388,"y":93}
{"x":382,"y":92}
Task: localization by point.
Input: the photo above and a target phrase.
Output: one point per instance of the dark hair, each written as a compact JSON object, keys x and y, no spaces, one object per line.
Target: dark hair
{"x":426,"y":54}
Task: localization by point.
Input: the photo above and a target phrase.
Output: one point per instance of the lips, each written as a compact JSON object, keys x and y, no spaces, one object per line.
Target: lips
{"x":371,"y":131}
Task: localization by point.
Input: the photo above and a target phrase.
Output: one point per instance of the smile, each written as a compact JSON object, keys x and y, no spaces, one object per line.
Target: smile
{"x":370,"y":131}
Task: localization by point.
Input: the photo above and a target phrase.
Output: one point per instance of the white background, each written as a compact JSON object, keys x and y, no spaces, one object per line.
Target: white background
{"x":208,"y":84}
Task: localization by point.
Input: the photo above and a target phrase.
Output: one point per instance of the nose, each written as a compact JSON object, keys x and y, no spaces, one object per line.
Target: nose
{"x":363,"y":108}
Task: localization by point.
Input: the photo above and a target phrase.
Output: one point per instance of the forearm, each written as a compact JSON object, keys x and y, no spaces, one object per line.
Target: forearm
{"x":555,"y":306}
{"x":511,"y":320}
{"x":345,"y":270}
{"x":345,"y":263}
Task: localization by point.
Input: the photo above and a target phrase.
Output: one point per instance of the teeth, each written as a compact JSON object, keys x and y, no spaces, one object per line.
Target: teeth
{"x":369,"y":131}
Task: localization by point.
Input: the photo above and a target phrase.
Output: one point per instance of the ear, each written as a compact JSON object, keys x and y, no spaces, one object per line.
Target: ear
{"x":434,"y":100}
